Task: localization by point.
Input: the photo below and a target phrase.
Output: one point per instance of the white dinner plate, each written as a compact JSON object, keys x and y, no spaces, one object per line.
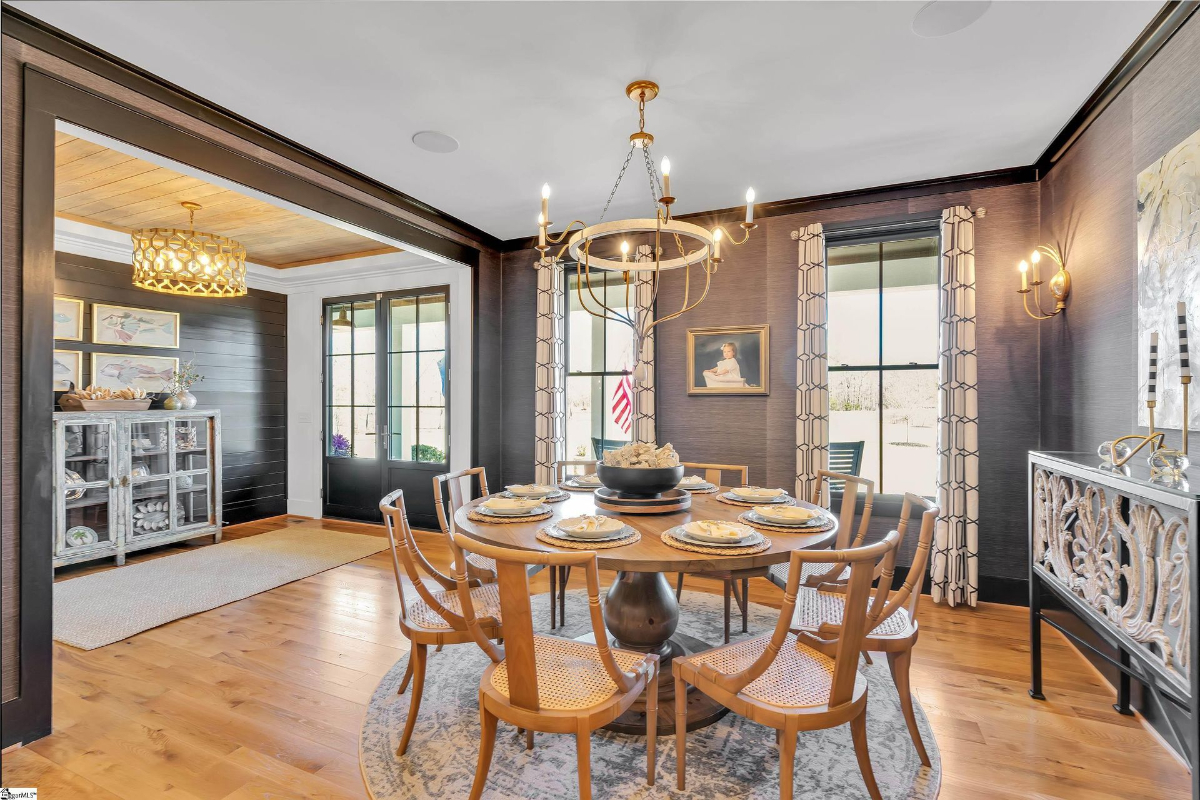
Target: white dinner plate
{"x":815,"y":522}
{"x":487,"y":512}
{"x":558,"y":533}
{"x":605,"y":527}
{"x":783,"y":498}
{"x":679,"y":533}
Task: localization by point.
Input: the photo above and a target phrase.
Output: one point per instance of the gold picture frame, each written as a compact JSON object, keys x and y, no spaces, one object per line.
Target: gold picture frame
{"x":119,"y":370}
{"x":70,"y":328}
{"x":734,"y":359}
{"x":151,"y":327}
{"x":68,"y":370}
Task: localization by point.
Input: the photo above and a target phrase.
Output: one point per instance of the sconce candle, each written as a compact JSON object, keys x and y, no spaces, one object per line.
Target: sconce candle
{"x":1185,"y":368}
{"x":1023,"y":268}
{"x":716,"y":243}
{"x":1034,"y":258}
{"x":749,"y":206}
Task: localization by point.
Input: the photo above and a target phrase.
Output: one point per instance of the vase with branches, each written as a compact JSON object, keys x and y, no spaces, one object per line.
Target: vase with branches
{"x":178,"y":387}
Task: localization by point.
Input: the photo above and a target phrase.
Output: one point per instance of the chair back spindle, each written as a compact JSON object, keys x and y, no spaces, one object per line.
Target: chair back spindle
{"x":713,"y":472}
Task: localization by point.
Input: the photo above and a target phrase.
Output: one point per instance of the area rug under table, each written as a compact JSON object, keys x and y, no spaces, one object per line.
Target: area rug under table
{"x":733,"y":758}
{"x":106,"y":607}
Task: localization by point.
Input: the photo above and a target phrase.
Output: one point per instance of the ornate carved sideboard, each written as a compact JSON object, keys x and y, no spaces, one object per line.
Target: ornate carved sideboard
{"x":1119,"y":550}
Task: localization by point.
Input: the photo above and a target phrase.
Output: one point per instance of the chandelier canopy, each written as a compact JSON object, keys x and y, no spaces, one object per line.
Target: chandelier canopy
{"x":188,"y":262}
{"x":594,"y":247}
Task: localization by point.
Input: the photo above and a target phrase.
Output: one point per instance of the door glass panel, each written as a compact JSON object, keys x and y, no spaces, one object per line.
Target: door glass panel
{"x":191,"y":445}
{"x":432,"y":373}
{"x":403,"y":434}
{"x":433,"y":322}
{"x":341,"y":370}
{"x":86,"y":451}
{"x":364,"y":432}
{"x":192,"y":500}
{"x":404,"y":323}
{"x":340,"y":430}
{"x":87,"y":522}
{"x":417,"y":380}
{"x":151,"y":509}
{"x":432,"y":435}
{"x":350,"y":372}
{"x":364,"y":327}
{"x":364,"y":380}
{"x":149,"y":444}
{"x":338,"y":323}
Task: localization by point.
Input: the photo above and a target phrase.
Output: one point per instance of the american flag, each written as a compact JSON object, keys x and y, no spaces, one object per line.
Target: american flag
{"x":622,"y":403}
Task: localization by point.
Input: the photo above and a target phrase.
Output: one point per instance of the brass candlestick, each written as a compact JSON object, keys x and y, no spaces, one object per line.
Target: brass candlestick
{"x":1142,"y":441}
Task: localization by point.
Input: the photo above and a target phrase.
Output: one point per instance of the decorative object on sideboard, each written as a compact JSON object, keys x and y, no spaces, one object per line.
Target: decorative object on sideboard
{"x":670,"y":239}
{"x":179,"y":396}
{"x":187,"y":261}
{"x":134,"y":327}
{"x":185,"y":437}
{"x":1168,"y":462}
{"x":68,"y":319}
{"x":155,"y":515}
{"x":81,"y":536}
{"x":1119,"y":452}
{"x":1168,"y":226}
{"x":72,"y":478}
{"x":1060,"y":283}
{"x":99,"y":398}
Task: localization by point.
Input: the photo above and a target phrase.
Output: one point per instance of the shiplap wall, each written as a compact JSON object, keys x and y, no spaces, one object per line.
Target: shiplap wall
{"x":239,"y":346}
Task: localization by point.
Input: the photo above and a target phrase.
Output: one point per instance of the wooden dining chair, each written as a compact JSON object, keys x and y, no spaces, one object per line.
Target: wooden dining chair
{"x":852,"y":487}
{"x":892,"y":618}
{"x":793,"y":682}
{"x":548,"y":683}
{"x":560,"y":575}
{"x":433,"y":617}
{"x":735,"y":579}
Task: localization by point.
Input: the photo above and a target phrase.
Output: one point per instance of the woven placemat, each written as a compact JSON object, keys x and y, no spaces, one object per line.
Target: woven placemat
{"x":762,"y":526}
{"x":550,"y":498}
{"x":680,"y":544}
{"x":546,"y":538}
{"x":791,"y":501}
{"x":475,"y":516}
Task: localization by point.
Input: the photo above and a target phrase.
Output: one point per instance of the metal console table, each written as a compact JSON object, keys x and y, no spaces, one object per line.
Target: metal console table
{"x":1118,"y":550}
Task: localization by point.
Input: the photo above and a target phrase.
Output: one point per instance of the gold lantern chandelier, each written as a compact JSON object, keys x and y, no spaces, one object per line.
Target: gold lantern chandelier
{"x":190,"y":262}
{"x":676,"y":244}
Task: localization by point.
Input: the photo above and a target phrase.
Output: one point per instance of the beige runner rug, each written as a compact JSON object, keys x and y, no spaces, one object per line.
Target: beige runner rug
{"x":106,"y":607}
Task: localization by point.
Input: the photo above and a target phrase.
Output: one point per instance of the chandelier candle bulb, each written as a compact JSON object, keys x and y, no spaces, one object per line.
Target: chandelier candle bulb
{"x":545,"y":202}
{"x":624,"y":251}
{"x":749,"y":206}
{"x":542,"y":229}
{"x":666,"y":173}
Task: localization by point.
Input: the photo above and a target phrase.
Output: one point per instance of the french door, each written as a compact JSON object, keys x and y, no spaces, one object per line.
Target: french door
{"x":387,"y":401}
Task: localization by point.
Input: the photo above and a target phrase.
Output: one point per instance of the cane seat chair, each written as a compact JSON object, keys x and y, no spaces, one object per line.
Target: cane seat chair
{"x":548,"y":683}
{"x":432,"y":617}
{"x":736,"y":582}
{"x":795,"y":682}
{"x":851,"y":487}
{"x":892,"y":618}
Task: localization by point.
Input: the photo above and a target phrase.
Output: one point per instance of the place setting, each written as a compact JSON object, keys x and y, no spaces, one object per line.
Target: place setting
{"x":798,"y":518}
{"x":588,"y":532}
{"x":588,"y":482}
{"x":547,"y":493}
{"x":697,"y":485}
{"x":749,"y":496}
{"x":498,"y":510}
{"x":716,"y":537}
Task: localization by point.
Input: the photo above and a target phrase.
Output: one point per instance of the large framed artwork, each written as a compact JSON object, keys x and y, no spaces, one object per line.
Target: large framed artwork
{"x":68,"y":319}
{"x":730,"y":360}
{"x":1168,"y":225}
{"x":67,"y":370}
{"x":134,"y":327}
{"x":118,"y":370}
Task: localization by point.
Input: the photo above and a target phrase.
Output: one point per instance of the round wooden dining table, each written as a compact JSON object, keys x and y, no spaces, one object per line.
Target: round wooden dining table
{"x":640,"y":609}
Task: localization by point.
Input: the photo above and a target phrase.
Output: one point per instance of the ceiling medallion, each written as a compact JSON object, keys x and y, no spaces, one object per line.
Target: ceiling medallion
{"x":686,"y":244}
{"x":189,"y":262}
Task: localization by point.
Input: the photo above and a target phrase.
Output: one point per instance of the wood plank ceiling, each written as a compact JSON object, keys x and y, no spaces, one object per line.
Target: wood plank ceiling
{"x":100,"y":186}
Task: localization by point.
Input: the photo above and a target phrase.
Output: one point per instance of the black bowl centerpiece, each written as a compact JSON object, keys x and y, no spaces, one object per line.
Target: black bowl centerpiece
{"x":640,"y":481}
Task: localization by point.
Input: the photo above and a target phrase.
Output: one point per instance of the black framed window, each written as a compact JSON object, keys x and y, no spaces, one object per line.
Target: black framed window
{"x":599,"y":405}
{"x":883,"y":354}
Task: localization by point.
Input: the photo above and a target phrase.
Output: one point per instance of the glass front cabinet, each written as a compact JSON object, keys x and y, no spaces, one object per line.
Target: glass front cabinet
{"x":125,"y":480}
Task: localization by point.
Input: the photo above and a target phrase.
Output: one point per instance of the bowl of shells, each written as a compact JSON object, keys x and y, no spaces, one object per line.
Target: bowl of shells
{"x":99,"y":398}
{"x":640,"y":470}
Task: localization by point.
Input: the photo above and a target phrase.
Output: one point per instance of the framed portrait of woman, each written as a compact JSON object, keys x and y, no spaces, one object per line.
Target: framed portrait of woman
{"x":731,"y":360}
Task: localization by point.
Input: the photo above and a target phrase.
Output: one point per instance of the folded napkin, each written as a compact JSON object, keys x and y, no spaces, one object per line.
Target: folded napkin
{"x":790,"y":513}
{"x":692,"y":480}
{"x":758,"y":491}
{"x":591,"y":477}
{"x":530,"y":488}
{"x":510,"y":503}
{"x":589,"y":523}
{"x":718,"y":530}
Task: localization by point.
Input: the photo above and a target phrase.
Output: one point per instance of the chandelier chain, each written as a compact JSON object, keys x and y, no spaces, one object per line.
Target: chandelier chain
{"x":617,"y":185}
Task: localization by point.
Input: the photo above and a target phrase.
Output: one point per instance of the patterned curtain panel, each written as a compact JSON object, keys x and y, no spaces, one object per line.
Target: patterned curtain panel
{"x":643,"y":385}
{"x":954,"y":571}
{"x":812,"y":366}
{"x":549,"y":393}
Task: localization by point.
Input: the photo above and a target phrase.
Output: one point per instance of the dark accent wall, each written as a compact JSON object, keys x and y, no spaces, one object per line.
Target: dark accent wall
{"x":1089,"y":204}
{"x":238,"y":344}
{"x":519,"y":333}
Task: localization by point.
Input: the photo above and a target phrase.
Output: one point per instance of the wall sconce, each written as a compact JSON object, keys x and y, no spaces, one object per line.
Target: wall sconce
{"x":1060,"y":284}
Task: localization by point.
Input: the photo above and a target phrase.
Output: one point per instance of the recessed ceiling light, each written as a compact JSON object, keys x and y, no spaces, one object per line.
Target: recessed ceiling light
{"x":435,"y":142}
{"x":944,"y":17}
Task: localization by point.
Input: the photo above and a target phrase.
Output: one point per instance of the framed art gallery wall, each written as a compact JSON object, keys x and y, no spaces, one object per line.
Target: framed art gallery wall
{"x":238,"y":345}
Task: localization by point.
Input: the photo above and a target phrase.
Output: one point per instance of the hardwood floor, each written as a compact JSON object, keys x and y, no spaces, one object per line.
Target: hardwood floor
{"x":264,"y":697}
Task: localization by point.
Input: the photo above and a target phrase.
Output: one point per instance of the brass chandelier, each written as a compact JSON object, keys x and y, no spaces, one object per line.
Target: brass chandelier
{"x":188,"y":262}
{"x":687,"y":245}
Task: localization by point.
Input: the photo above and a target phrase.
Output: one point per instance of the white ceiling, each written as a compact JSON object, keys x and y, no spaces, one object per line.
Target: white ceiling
{"x":794,"y":99}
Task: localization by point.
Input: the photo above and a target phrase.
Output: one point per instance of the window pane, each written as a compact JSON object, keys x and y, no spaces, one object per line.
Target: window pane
{"x":910,"y":301}
{"x":585,"y":336}
{"x":618,"y":355}
{"x":854,"y":415}
{"x":403,"y":323}
{"x":364,"y":432}
{"x":909,"y":431}
{"x":583,"y":394}
{"x":403,"y":433}
{"x":339,"y":380}
{"x":431,"y":435}
{"x":853,"y":286}
{"x":433,"y":322}
{"x":432,"y":384}
{"x":339,"y":430}
{"x":338,"y":317}
{"x":364,"y":380}
{"x":364,"y":327}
